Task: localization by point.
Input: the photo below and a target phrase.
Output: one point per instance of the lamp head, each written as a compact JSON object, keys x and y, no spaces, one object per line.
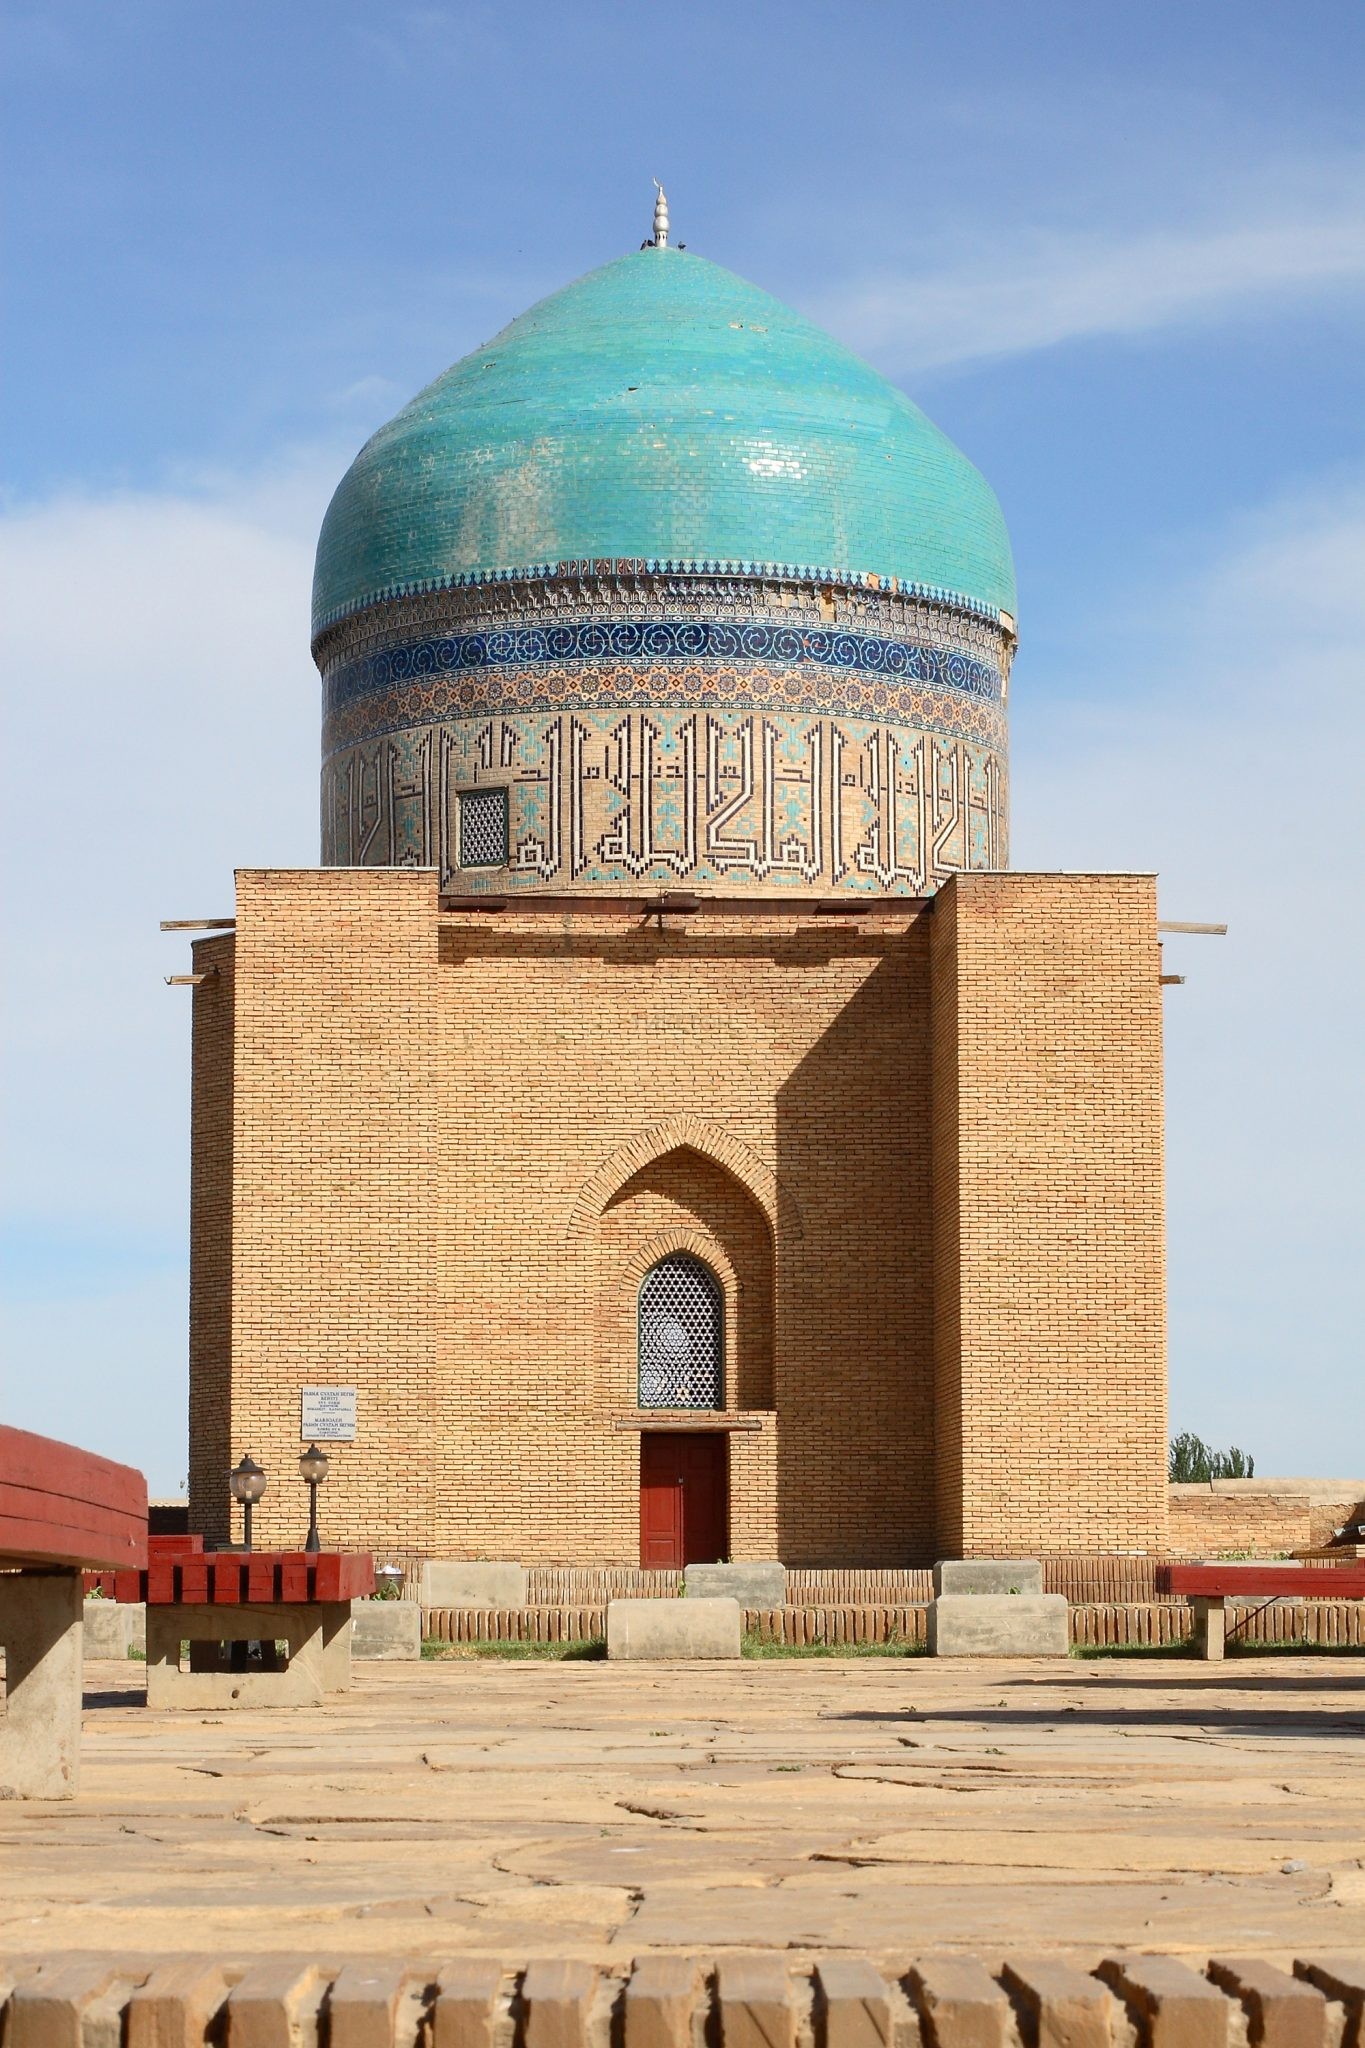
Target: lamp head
{"x":247,"y":1481}
{"x":313,"y":1465}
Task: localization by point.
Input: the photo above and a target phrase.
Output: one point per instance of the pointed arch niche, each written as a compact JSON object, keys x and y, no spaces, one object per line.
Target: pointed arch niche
{"x":684,"y":1200}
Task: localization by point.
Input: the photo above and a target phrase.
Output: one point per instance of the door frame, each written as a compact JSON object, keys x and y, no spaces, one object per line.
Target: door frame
{"x":719,"y":1442}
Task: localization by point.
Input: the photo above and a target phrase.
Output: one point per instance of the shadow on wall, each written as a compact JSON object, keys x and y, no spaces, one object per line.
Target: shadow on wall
{"x":854,"y":1301}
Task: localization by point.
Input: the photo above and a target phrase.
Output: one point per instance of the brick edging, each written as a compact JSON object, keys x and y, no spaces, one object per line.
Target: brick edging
{"x":1317,"y":1624}
{"x":672,"y":2001}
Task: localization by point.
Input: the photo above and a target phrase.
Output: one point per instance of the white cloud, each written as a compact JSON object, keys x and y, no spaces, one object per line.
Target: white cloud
{"x":1044,"y":287}
{"x":162,"y":727}
{"x":1214,"y":732}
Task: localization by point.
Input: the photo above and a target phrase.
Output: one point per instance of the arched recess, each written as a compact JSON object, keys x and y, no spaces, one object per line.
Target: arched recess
{"x":694,"y":1134}
{"x":686,"y":1201}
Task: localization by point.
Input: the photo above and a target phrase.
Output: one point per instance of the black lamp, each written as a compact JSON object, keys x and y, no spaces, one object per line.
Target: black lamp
{"x":247,"y":1484}
{"x":313,"y":1466}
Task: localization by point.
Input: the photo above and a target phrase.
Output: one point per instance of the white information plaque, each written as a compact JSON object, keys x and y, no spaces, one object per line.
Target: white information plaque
{"x":328,"y":1415}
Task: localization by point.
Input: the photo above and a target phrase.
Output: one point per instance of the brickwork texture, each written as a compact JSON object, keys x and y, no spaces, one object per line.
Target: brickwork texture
{"x":436,"y":1152}
{"x":1048,"y":1231}
{"x":1263,"y":1518}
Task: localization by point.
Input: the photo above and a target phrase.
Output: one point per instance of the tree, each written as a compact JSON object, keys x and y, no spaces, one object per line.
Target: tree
{"x":1194,"y":1462}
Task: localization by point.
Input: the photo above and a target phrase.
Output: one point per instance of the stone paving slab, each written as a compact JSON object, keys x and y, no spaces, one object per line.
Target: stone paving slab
{"x":604,"y":1811}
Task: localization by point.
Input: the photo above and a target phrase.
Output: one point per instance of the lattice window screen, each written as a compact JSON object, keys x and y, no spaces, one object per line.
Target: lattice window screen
{"x":483,"y":828}
{"x":682,"y":1341}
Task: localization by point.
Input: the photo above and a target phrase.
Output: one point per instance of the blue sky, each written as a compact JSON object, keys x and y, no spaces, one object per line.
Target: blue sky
{"x":1119,"y":254}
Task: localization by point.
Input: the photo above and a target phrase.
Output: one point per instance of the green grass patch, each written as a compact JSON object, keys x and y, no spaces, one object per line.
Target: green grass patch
{"x":437,"y":1651}
{"x":1240,"y":1649}
{"x":1091,"y":1652}
{"x":546,"y":1653}
{"x":895,"y":1646}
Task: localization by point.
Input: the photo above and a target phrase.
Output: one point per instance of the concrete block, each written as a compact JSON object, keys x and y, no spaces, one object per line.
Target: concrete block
{"x":988,"y":1575}
{"x":753,"y":1585}
{"x":999,"y":1625}
{"x":466,"y":1583}
{"x":336,"y":1645}
{"x":311,"y":1630}
{"x":40,"y":1727}
{"x":667,"y":1631}
{"x":1210,"y":1629}
{"x":386,"y":1630}
{"x":112,"y":1628}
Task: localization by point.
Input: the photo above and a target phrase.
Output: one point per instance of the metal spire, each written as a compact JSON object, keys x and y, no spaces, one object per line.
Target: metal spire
{"x":660,"y":217}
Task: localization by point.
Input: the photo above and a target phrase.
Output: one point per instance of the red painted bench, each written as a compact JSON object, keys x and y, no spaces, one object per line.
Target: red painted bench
{"x":65,"y":1508}
{"x":219,"y":1601}
{"x":61,"y":1510}
{"x":1208,"y":1587}
{"x":194,"y":1577}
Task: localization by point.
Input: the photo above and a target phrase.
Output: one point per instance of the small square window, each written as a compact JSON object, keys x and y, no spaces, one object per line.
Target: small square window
{"x":483,"y":828}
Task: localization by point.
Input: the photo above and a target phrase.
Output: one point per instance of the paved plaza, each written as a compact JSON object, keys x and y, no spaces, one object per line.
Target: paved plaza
{"x":893,"y":1807}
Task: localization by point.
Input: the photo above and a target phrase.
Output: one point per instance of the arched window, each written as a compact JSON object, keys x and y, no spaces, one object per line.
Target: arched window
{"x":682,"y":1335}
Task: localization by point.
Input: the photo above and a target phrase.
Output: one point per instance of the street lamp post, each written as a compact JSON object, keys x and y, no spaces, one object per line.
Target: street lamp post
{"x":247,"y":1484}
{"x":313,"y":1465}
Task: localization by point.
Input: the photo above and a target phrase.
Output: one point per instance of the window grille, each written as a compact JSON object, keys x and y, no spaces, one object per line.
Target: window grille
{"x":483,"y":828}
{"x":682,"y":1343}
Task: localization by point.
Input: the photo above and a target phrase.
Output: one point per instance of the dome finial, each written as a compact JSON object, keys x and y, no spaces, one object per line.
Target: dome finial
{"x":660,"y":217}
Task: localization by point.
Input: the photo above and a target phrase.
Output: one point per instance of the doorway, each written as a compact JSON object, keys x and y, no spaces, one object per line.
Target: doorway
{"x":684,"y":1498}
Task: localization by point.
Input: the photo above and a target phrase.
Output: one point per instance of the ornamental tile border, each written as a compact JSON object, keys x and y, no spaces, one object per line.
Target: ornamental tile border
{"x":641,"y":565}
{"x":551,"y":689}
{"x":662,"y":640}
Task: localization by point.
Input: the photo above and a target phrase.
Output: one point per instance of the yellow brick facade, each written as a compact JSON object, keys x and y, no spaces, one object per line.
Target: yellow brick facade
{"x":1049,"y":1294}
{"x":435,"y":1153}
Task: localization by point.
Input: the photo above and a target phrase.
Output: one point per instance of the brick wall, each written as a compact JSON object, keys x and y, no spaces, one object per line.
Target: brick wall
{"x":457,"y":1141}
{"x":455,"y":1135}
{"x":1265,"y":1517}
{"x":1048,"y":1214}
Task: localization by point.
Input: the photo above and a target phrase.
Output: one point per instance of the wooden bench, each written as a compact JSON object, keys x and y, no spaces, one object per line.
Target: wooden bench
{"x":1208,"y":1587}
{"x":222,"y":1601}
{"x":62,"y":1511}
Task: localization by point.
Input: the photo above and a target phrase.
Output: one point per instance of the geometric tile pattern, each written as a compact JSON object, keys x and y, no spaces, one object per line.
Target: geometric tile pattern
{"x":646,"y":728}
{"x":628,"y":797}
{"x":656,"y":640}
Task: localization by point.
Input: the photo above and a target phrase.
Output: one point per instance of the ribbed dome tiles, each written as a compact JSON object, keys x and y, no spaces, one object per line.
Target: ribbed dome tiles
{"x":663,"y":409}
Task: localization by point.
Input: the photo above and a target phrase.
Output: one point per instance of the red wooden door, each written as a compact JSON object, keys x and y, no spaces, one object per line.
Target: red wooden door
{"x":684,"y":1498}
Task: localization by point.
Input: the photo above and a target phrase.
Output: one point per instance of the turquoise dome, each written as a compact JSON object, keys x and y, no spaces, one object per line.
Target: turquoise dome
{"x":660,"y":408}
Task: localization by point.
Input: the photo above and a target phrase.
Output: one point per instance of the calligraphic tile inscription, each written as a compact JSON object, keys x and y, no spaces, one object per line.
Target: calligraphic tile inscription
{"x":659,"y":729}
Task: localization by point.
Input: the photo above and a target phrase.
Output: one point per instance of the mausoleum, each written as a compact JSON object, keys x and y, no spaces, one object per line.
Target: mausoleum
{"x":663,"y":1110}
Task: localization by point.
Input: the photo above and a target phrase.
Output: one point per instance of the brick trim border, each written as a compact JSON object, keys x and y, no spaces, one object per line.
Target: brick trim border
{"x":1306,"y":1625}
{"x":745,"y":2000}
